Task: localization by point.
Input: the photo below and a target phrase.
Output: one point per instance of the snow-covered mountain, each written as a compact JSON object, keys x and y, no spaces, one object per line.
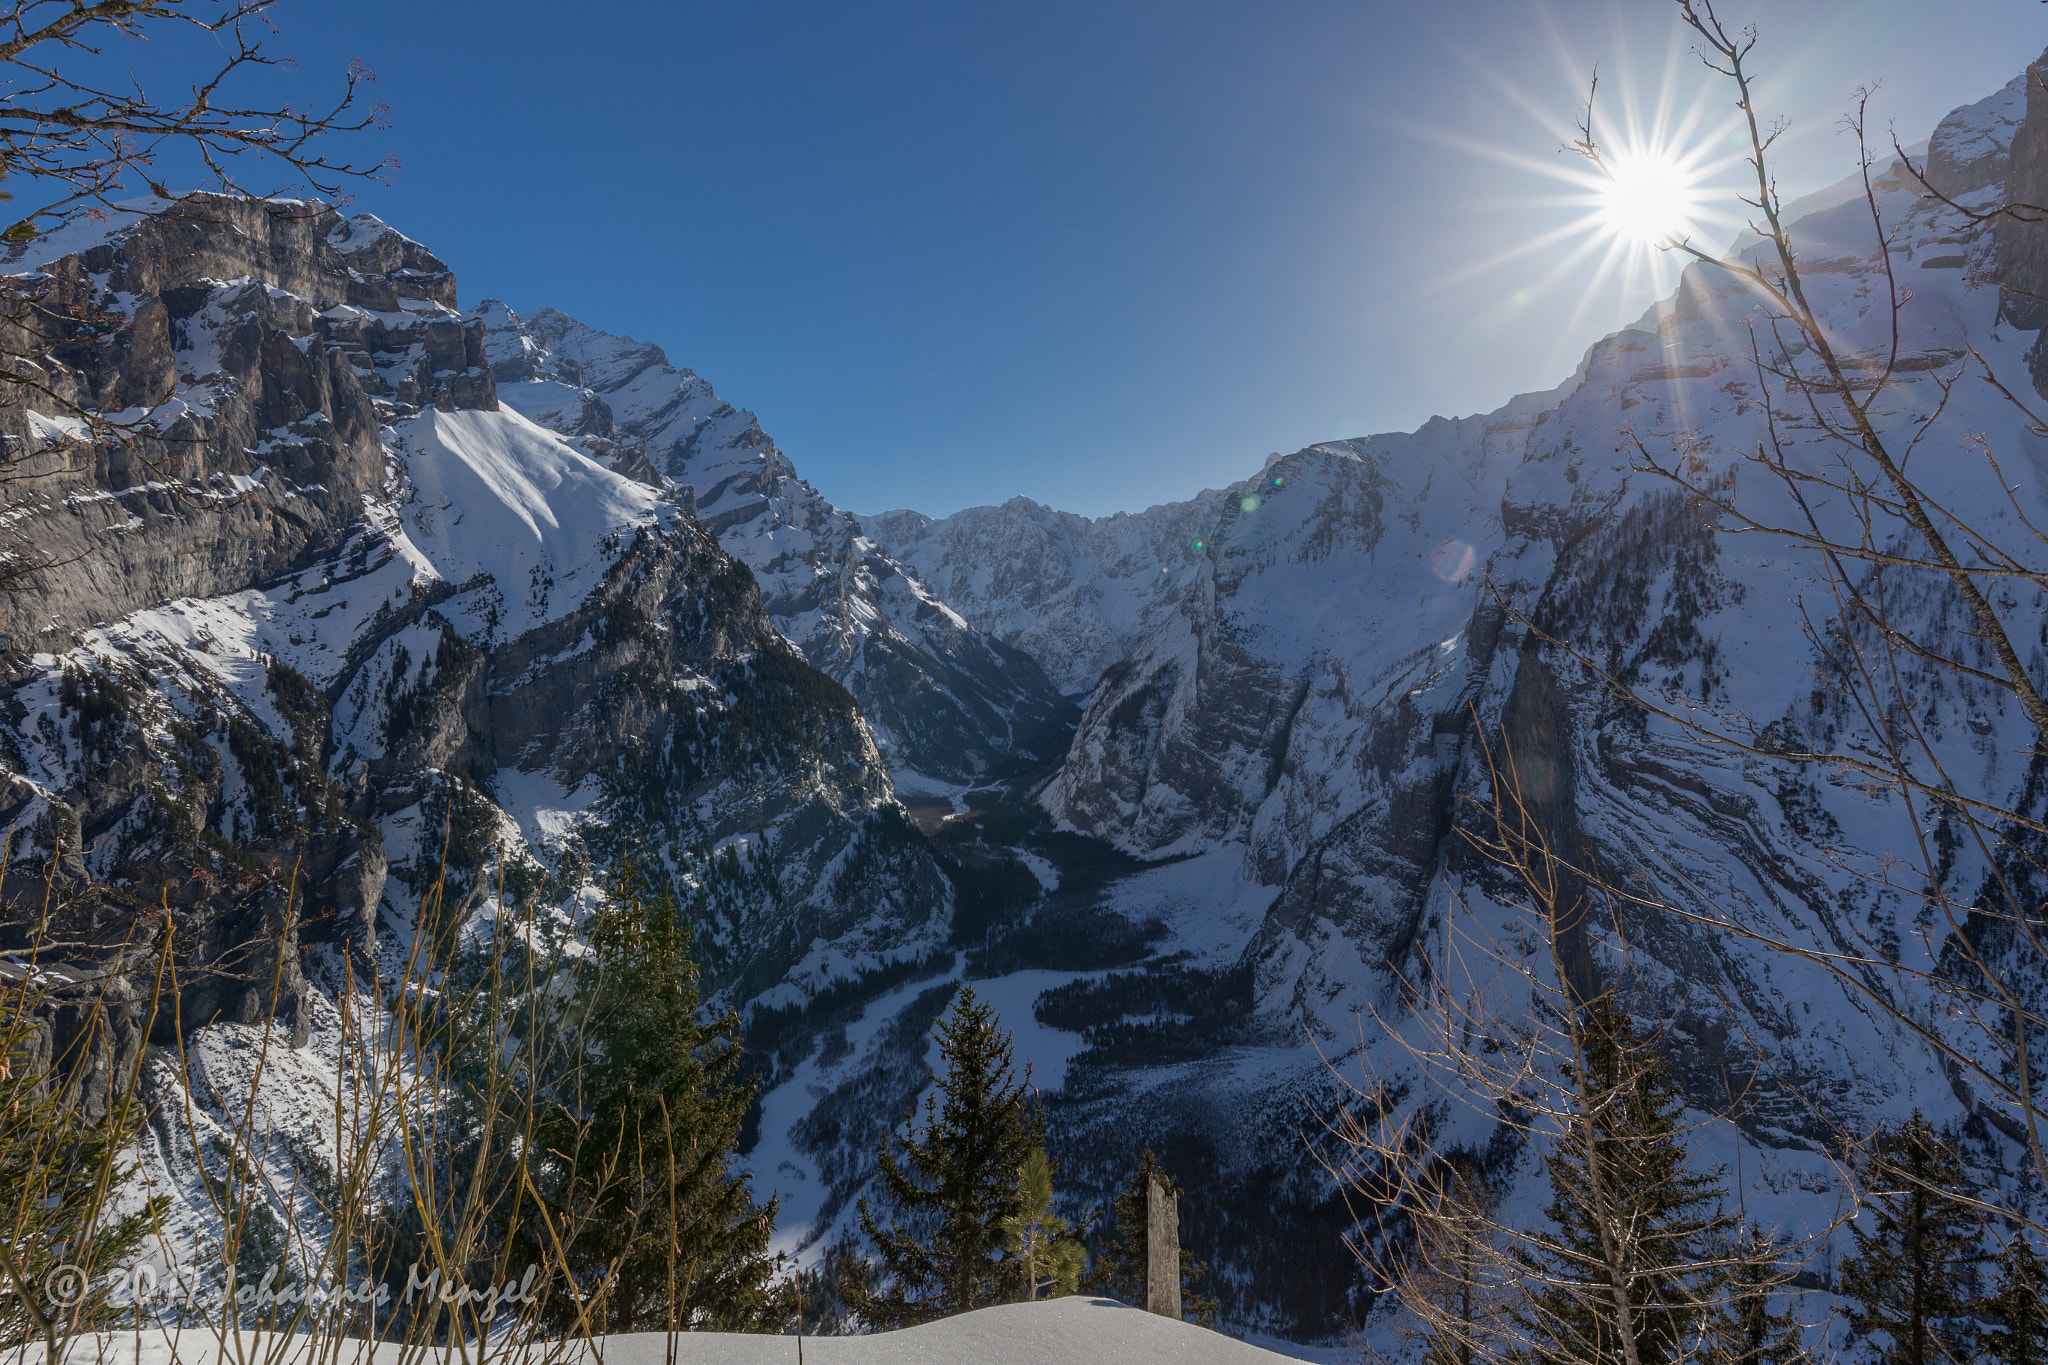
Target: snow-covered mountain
{"x":1070,"y":591}
{"x":503,"y":580}
{"x":383,"y":627}
{"x":947,"y":703}
{"x":1294,"y":704}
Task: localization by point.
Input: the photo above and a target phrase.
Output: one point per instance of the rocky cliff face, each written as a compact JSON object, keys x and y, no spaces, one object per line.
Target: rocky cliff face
{"x":247,"y":442}
{"x":264,"y":386}
{"x":948,"y":703}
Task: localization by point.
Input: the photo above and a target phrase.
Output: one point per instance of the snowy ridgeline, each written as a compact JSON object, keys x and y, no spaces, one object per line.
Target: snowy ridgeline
{"x":1072,"y":1331}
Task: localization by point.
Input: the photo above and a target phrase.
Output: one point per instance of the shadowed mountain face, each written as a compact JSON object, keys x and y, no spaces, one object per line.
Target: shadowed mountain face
{"x":504,"y":581}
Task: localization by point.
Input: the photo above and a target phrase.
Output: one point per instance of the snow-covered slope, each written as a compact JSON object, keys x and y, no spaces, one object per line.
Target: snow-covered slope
{"x":948,"y":704}
{"x":494,"y":496}
{"x":1068,"y":1331}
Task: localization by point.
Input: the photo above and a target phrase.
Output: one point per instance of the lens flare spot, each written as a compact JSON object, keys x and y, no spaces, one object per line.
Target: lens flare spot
{"x":1249,"y":505}
{"x":1198,"y":545}
{"x":1453,"y":561}
{"x":1277,"y":481}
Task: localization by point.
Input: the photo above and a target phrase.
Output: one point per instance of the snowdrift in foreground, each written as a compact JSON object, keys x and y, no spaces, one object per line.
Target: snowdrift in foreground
{"x":1070,"y":1331}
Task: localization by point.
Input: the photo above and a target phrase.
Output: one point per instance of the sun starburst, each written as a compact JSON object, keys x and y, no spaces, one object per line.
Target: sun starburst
{"x":1649,"y":199}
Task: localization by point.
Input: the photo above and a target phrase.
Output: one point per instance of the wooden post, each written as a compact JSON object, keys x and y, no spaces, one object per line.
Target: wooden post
{"x":1162,"y":1249}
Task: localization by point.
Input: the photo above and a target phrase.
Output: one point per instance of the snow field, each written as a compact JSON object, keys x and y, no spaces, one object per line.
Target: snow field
{"x":1070,"y":1331}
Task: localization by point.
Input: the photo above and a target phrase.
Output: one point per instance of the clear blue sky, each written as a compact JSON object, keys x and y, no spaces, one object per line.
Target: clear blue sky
{"x":1104,"y":254}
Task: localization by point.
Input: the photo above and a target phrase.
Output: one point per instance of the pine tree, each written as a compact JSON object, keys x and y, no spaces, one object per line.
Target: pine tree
{"x":60,"y":1171}
{"x":954,"y":1187}
{"x":1625,"y":1275}
{"x":1748,"y":1332}
{"x":1913,"y":1273}
{"x":641,"y":1136}
{"x":1118,"y":1267}
{"x":828,"y":1295}
{"x":1047,"y":1255}
{"x":2020,"y":1307}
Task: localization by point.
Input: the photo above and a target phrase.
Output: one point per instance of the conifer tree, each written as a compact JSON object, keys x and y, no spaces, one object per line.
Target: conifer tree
{"x":2020,"y":1307}
{"x":638,"y":1192}
{"x":1627,"y":1274}
{"x":1913,"y":1274}
{"x":60,"y":1170}
{"x":1047,"y":1255}
{"x":954,"y":1187}
{"x":1118,"y":1267}
{"x":829,"y":1294}
{"x":1748,"y":1332}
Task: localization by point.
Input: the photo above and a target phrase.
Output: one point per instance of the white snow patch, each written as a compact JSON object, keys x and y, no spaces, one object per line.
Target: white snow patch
{"x":1048,"y":875}
{"x":547,"y":812}
{"x":1208,"y":903}
{"x":496,"y":496}
{"x":1046,"y":1050}
{"x":55,"y":430}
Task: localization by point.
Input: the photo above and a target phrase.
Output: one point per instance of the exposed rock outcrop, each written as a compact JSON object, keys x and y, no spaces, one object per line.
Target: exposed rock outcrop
{"x":240,"y":347}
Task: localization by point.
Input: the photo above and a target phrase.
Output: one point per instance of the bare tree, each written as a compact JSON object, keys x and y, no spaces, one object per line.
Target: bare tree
{"x":449,"y":1197}
{"x":1453,"y":1279}
{"x":1929,"y":601}
{"x":80,"y":140}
